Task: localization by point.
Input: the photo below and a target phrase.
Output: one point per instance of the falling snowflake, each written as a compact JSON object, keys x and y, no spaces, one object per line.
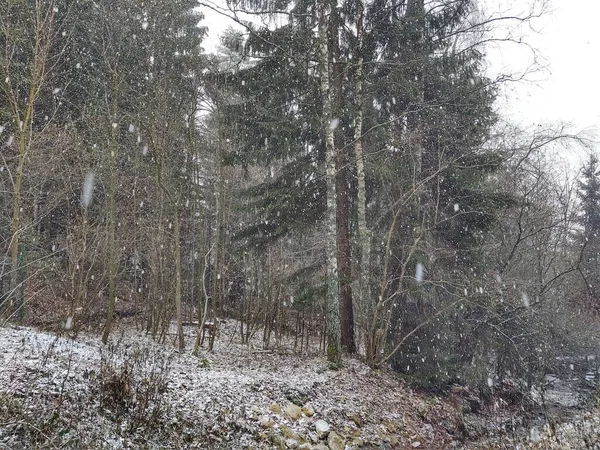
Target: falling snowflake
{"x":419,"y":273}
{"x":88,"y":189}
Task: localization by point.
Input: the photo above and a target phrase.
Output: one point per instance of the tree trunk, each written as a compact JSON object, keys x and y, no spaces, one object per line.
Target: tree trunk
{"x":363,"y":240}
{"x":344,"y":264}
{"x":44,"y":29}
{"x":112,"y":192}
{"x":16,"y":216}
{"x":342,"y":200}
{"x":332,"y":307}
{"x":178,"y":281}
{"x":216,"y":293}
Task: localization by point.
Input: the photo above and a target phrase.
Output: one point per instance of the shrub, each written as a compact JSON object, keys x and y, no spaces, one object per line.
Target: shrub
{"x":131,"y":385}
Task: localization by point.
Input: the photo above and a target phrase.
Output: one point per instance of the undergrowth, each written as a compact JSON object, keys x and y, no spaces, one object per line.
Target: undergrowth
{"x":131,"y":384}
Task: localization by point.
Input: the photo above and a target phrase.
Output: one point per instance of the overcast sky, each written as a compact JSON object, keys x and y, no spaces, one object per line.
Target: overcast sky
{"x":568,"y":90}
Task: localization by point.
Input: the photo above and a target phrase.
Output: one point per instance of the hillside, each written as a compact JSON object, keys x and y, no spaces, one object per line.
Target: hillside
{"x":58,"y":392}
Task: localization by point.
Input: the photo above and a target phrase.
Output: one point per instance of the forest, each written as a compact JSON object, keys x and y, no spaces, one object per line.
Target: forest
{"x":338,"y":178}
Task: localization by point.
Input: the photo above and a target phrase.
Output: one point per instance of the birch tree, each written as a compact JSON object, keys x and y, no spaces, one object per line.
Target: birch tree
{"x":327,"y":126}
{"x":362,"y":239}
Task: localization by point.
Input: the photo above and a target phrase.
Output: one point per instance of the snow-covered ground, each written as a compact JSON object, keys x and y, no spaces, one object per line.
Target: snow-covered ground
{"x":59,"y":392}
{"x":134,"y":392}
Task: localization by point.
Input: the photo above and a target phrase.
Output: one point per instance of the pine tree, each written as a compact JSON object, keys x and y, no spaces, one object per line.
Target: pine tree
{"x":431,"y":168}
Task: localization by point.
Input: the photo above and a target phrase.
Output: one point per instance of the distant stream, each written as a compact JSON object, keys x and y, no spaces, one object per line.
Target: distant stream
{"x":565,"y":397}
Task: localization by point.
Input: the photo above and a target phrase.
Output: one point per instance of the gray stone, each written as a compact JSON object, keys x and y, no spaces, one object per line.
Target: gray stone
{"x":265,"y":421}
{"x":291,"y":443}
{"x":322,"y":428}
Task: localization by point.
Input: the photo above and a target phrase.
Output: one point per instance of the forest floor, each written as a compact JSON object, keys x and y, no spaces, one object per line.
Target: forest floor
{"x":63,"y":392}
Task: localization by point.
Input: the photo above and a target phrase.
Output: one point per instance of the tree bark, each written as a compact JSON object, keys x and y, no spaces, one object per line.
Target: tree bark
{"x":363,"y":239}
{"x":332,"y":311}
{"x":343,"y":258}
{"x":342,"y":194}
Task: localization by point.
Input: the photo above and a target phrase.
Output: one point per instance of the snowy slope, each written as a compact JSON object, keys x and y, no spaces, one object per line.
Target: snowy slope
{"x":61,"y":391}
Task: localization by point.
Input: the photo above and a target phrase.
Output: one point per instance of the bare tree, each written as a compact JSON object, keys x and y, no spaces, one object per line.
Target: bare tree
{"x":28,"y":34}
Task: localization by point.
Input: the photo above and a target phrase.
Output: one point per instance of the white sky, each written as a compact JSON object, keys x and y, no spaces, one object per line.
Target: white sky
{"x":568,"y":90}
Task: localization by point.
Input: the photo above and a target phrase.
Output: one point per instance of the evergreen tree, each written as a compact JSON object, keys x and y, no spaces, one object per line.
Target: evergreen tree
{"x":284,"y":128}
{"x":589,"y":193}
{"x":428,"y":110}
{"x":441,"y":106}
{"x":126,"y":88}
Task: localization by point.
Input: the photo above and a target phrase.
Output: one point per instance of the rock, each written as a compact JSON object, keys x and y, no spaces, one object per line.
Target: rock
{"x":474,"y":404}
{"x":263,"y":436}
{"x":291,"y":443}
{"x":294,"y":412}
{"x":322,"y":429}
{"x":277,"y":440}
{"x":308,"y":410}
{"x":265,"y":421}
{"x":305,"y":446}
{"x":275,"y":408}
{"x":416,"y":444}
{"x":336,"y":442}
{"x":354,"y":433}
{"x":288,"y":432}
{"x":393,"y":440}
{"x":313,"y":437}
{"x":534,"y":435}
{"x":320,"y":447}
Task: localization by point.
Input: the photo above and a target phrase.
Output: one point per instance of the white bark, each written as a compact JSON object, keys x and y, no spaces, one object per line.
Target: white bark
{"x":333,"y":301}
{"x":364,"y":236}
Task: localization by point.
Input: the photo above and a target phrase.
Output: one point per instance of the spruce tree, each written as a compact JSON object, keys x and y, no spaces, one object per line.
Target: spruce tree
{"x":427,"y":111}
{"x":433,"y":160}
{"x":589,"y":193}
